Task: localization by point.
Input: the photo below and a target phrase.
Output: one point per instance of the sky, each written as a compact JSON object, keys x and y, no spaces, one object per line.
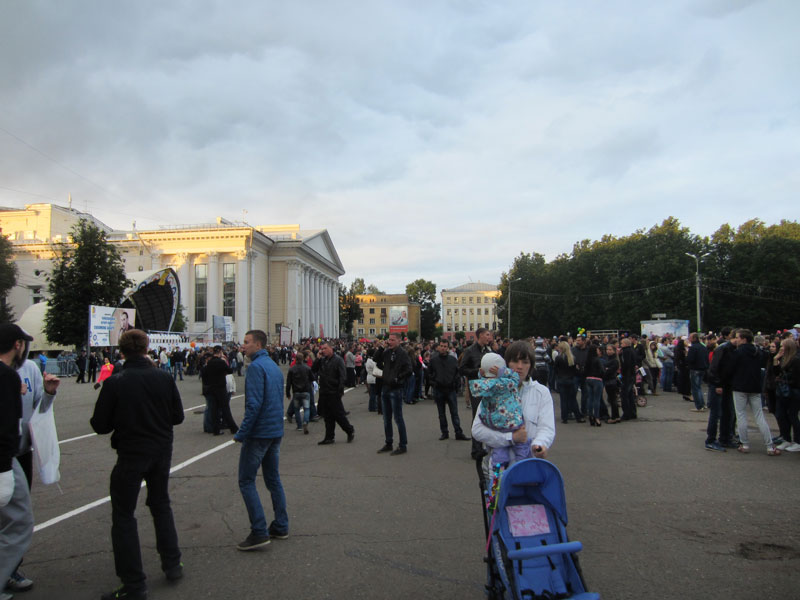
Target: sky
{"x":433,"y":140}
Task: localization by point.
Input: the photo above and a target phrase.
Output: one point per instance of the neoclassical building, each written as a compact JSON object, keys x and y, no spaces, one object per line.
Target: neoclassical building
{"x":262,"y":277}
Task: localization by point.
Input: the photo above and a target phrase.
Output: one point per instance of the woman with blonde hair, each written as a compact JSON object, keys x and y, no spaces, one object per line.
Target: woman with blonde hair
{"x":566,"y":372}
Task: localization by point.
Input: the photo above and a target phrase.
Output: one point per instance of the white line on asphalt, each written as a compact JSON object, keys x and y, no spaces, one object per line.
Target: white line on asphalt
{"x":88,"y":435}
{"x":101,"y":501}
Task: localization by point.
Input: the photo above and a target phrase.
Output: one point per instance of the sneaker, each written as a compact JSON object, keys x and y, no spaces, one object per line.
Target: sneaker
{"x":351,"y":436}
{"x":400,"y":450}
{"x":743,"y":448}
{"x":18,"y":582}
{"x":274,"y":534}
{"x":174,"y":573}
{"x":444,"y":436}
{"x":784,"y":445}
{"x":385,"y":448}
{"x":325,"y":442}
{"x":792,"y":448}
{"x":298,"y":429}
{"x":252,"y":542}
{"x":6,"y":596}
{"x":773,"y":451}
{"x":777,"y":440}
{"x":715,"y":446}
{"x":125,"y":593}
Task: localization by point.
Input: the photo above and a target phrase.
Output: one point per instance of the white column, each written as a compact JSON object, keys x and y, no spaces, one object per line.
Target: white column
{"x":306,"y":302}
{"x":213,"y":285}
{"x":293,"y":297}
{"x":317,"y":304}
{"x":242,"y":295}
{"x":326,"y":300}
{"x":155,"y":260}
{"x":335,"y":300}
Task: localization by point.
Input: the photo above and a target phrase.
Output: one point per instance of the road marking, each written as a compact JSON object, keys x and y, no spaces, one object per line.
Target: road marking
{"x":102,"y":501}
{"x":88,"y":435}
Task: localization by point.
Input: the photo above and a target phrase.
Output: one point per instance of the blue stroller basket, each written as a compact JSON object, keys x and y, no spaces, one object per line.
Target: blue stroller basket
{"x":530,"y":556}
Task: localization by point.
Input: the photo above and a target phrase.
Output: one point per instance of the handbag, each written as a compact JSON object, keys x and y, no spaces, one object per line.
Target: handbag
{"x":376,"y":372}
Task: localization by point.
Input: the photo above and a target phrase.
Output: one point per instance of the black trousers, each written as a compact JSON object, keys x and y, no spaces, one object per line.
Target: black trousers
{"x":221,"y":409}
{"x":126,"y":481}
{"x":727,"y":416}
{"x":332,"y":410}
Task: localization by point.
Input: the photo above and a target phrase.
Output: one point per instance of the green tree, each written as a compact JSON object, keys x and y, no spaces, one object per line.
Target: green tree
{"x":423,"y":292}
{"x":412,"y":335}
{"x":87,"y":271}
{"x":8,"y":278}
{"x":358,"y":286}
{"x":349,"y":310}
{"x":373,"y":289}
{"x":179,"y":322}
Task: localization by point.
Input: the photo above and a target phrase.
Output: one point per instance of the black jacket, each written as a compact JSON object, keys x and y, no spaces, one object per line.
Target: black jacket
{"x":720,"y":371}
{"x":563,"y":368}
{"x":627,"y":362}
{"x":10,"y":415}
{"x":443,"y":371}
{"x":213,"y":374}
{"x":746,"y":369}
{"x":471,"y":360}
{"x":140,"y":405}
{"x":331,"y":375}
{"x":396,"y":367}
{"x":697,"y":357}
{"x":298,"y":379}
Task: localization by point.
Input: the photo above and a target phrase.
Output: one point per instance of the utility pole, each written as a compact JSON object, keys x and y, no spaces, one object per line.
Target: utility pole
{"x":697,"y":285}
{"x":508,"y":329}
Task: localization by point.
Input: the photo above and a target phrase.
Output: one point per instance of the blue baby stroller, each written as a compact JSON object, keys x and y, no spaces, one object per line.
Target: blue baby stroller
{"x":529,"y":556}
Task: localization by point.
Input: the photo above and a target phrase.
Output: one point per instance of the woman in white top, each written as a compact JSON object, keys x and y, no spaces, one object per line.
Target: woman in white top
{"x":537,"y":408}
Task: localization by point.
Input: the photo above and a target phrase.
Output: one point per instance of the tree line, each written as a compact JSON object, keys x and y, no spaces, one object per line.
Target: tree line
{"x":749,"y":277}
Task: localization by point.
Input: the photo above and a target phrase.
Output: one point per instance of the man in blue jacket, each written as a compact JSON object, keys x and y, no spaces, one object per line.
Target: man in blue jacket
{"x":260,"y":434}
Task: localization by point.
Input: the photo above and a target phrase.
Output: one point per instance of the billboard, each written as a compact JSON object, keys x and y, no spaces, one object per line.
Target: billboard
{"x":398,"y":319}
{"x":661,"y":327}
{"x":223,"y":328}
{"x":107,"y":323}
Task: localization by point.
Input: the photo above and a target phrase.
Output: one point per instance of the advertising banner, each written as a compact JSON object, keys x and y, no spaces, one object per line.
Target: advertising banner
{"x":223,"y":328}
{"x":398,"y":319}
{"x":660,"y":328}
{"x":107,"y":323}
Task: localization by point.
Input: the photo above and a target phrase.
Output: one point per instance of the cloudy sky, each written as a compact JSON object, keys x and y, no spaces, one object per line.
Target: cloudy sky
{"x":432,"y":139}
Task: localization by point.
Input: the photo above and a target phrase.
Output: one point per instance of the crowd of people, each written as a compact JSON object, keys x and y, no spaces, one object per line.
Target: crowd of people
{"x":506,"y":385}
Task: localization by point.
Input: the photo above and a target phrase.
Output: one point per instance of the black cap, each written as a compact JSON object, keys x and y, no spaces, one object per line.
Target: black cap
{"x":10,"y":333}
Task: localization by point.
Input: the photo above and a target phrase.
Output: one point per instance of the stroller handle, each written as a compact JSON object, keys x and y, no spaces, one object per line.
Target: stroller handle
{"x":525,"y":553}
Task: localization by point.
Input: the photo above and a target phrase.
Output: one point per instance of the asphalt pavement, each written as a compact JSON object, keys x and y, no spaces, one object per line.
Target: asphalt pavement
{"x":659,"y":516}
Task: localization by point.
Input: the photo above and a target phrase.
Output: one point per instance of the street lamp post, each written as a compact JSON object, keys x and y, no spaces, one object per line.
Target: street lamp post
{"x":697,"y":284}
{"x":508,"y":331}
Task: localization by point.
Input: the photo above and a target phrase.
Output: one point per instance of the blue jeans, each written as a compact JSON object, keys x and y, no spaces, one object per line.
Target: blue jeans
{"x":667,"y":374}
{"x":302,"y":400}
{"x":411,"y":387}
{"x":373,"y":398}
{"x":393,"y":404}
{"x":594,"y":389}
{"x":177,"y":369}
{"x":696,"y":377}
{"x":264,"y":453}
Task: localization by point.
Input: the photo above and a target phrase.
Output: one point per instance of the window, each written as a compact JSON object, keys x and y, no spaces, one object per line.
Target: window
{"x":470,"y":299}
{"x":372,"y":310}
{"x":372,"y":331}
{"x":486,"y":299}
{"x":383,"y":320}
{"x":455,"y":300}
{"x":463,"y":311}
{"x":448,"y":312}
{"x":360,"y":331}
{"x":372,"y":321}
{"x":486,"y":325}
{"x":383,"y":330}
{"x":229,"y":290}
{"x":383,"y":312}
{"x":361,"y":321}
{"x":449,"y":327}
{"x":463,"y":299}
{"x":36,"y":295}
{"x":200,"y":292}
{"x":486,"y":311}
{"x":472,"y":311}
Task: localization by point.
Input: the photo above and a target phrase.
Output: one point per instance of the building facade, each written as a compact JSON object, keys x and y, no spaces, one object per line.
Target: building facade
{"x":467,"y":307}
{"x":265,"y":277}
{"x":385,"y":313}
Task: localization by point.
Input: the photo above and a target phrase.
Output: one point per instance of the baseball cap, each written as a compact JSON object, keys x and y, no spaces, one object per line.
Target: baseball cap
{"x":10,"y":333}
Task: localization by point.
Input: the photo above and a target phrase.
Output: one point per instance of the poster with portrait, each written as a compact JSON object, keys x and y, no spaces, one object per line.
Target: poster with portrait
{"x":398,"y":319}
{"x":107,"y":323}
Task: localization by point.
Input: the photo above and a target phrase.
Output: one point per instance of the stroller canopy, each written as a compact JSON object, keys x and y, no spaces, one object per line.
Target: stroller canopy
{"x":534,"y":481}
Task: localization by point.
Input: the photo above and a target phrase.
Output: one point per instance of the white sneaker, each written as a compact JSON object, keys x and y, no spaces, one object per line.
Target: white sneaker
{"x":793,"y":448}
{"x":784,"y":445}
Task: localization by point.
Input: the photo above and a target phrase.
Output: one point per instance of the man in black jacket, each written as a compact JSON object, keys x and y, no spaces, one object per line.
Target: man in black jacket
{"x":299,"y":385}
{"x":470,"y":364}
{"x":215,"y":389}
{"x":140,"y":404}
{"x":720,"y":394}
{"x":396,"y":371}
{"x":330,"y":371}
{"x":443,"y":374}
{"x":627,"y":364}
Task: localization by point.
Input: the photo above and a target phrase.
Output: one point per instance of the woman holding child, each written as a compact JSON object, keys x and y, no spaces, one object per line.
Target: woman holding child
{"x":538,"y":429}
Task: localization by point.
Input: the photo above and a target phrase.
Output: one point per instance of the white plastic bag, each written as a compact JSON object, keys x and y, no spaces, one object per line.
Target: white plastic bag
{"x":230,"y":384}
{"x":45,"y":445}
